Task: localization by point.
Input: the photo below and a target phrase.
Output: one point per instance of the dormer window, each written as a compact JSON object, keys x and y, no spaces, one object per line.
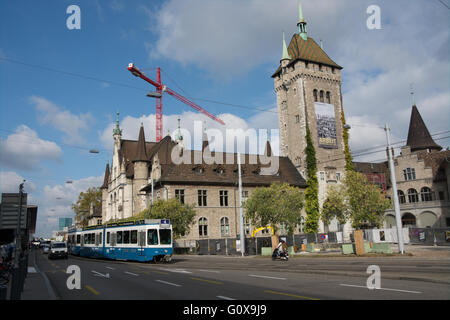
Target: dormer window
{"x":219,"y":170}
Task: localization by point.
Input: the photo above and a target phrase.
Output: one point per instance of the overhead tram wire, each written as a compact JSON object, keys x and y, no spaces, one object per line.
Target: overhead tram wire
{"x":371,"y":152}
{"x":137,"y":88}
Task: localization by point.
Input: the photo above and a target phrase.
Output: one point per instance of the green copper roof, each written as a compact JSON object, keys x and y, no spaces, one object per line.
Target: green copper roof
{"x":117,"y":128}
{"x":301,"y":22}
{"x":285,"y":50}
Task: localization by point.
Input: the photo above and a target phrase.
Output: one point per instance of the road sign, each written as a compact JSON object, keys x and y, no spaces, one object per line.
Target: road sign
{"x":10,"y":209}
{"x":323,"y":236}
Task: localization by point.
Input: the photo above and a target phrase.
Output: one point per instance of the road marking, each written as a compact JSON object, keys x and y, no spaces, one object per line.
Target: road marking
{"x":176,"y":270}
{"x":92,"y":290}
{"x":101,"y":274}
{"x":110,"y":268}
{"x":31,"y":270}
{"x":212,"y":271}
{"x":351,"y":285}
{"x":290,"y":295}
{"x":205,"y":280}
{"x":225,"y":298}
{"x":267,"y":277}
{"x":169,"y":283}
{"x":133,"y":274}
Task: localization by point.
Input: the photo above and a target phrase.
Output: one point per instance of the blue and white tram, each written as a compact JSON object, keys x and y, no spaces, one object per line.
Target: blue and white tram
{"x":143,"y":240}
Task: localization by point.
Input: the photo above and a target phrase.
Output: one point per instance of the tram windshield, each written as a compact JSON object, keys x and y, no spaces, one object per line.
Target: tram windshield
{"x":165,"y":236}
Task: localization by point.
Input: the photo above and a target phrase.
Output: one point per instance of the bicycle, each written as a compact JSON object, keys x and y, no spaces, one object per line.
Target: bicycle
{"x":5,"y":272}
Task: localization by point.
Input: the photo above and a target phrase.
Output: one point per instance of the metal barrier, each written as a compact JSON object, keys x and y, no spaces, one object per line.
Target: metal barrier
{"x":429,"y":236}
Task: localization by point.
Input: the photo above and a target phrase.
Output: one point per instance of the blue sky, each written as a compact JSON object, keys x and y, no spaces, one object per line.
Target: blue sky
{"x":219,"y":50}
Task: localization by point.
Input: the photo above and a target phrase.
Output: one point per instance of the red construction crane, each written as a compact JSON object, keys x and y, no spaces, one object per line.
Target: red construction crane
{"x":160,"y":88}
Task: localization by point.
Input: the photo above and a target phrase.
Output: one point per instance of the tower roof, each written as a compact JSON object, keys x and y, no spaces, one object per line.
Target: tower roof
{"x":141,"y":153}
{"x":419,"y":137}
{"x":285,"y":55}
{"x":106,"y":179}
{"x":307,"y":50}
{"x":116,"y":130}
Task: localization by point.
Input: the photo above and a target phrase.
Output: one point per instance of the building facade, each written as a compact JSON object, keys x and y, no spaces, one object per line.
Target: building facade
{"x":308,"y":89}
{"x":143,"y":172}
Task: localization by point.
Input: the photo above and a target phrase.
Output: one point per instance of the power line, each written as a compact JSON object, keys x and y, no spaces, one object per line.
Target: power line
{"x":444,"y":4}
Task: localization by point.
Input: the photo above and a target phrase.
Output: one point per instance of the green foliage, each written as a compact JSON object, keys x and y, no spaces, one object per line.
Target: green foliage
{"x":312,"y":191}
{"x":275,"y":205}
{"x":181,"y":216}
{"x":345,"y":135}
{"x":366,"y":202}
{"x":335,"y":205}
{"x":83,"y":204}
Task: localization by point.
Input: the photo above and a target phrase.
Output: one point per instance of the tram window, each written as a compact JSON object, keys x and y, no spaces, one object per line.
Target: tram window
{"x":100,"y":238}
{"x":152,"y":237}
{"x":164,"y":236}
{"x":78,"y":238}
{"x":126,"y":237}
{"x":119,"y":237}
{"x":86,"y":239}
{"x":133,"y":236}
{"x":108,"y":236}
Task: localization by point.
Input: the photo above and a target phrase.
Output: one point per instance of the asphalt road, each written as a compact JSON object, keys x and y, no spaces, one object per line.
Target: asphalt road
{"x":247,"y":278}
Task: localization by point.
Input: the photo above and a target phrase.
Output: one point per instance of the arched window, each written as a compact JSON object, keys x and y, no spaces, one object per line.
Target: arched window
{"x":321,"y":96}
{"x":413,"y":196}
{"x":202,"y":227}
{"x":328,"y":97}
{"x":224,"y":226}
{"x":408,"y":219}
{"x":426,"y":194}
{"x":315,"y":95}
{"x":401,"y":196}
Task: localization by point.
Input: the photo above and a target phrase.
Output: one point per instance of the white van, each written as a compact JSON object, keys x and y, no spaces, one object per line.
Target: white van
{"x":58,"y":249}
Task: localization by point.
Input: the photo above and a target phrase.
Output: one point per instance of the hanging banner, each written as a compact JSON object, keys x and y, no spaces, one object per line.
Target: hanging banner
{"x":326,"y":125}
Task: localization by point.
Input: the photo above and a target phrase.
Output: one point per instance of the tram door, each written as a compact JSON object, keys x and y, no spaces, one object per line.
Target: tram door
{"x":141,"y":243}
{"x":113,"y":245}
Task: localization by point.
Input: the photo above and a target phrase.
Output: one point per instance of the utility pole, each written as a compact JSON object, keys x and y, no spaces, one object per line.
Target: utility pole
{"x":241,"y":215}
{"x":398,"y":219}
{"x":18,"y":231}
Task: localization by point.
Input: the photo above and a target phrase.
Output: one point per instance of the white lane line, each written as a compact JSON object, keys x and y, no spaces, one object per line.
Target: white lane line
{"x":133,"y":274}
{"x":351,"y":285}
{"x":266,"y":277}
{"x":169,"y":283}
{"x":31,"y":270}
{"x":110,"y":268}
{"x":175,"y":270}
{"x":212,"y":271}
{"x":101,"y":274}
{"x":225,"y":298}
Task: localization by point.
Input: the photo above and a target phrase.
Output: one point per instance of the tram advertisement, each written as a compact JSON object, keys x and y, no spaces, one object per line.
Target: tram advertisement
{"x":326,"y":125}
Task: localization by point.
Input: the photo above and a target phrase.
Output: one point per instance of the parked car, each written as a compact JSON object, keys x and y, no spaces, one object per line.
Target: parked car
{"x":58,"y":250}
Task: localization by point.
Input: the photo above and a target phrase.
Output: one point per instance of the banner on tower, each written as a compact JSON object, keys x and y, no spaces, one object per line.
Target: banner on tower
{"x":326,"y":125}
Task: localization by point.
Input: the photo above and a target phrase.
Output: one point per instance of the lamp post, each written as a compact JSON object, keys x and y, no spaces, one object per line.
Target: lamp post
{"x":398,"y":219}
{"x":241,"y":215}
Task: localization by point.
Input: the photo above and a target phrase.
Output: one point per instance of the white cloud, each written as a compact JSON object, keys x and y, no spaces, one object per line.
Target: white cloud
{"x":70,"y":124}
{"x":56,"y":202}
{"x":227,"y":38}
{"x":9,"y":183}
{"x":25,"y":150}
{"x":130,"y":128}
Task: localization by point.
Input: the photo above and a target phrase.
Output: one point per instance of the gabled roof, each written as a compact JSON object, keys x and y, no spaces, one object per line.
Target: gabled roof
{"x":307,"y":50}
{"x":106,"y":179}
{"x":141,"y":151}
{"x":419,"y":137}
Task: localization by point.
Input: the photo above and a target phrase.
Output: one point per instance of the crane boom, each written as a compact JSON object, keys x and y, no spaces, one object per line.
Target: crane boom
{"x":160,"y":88}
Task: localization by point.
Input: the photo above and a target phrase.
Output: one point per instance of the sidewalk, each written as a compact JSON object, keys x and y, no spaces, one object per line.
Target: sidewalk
{"x":37,"y":285}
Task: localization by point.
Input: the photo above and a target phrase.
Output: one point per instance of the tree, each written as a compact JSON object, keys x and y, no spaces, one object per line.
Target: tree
{"x":312,"y":190}
{"x":275,"y":205}
{"x":366,"y":202}
{"x":335,"y":205}
{"x":83,"y":205}
{"x":181,"y":216}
